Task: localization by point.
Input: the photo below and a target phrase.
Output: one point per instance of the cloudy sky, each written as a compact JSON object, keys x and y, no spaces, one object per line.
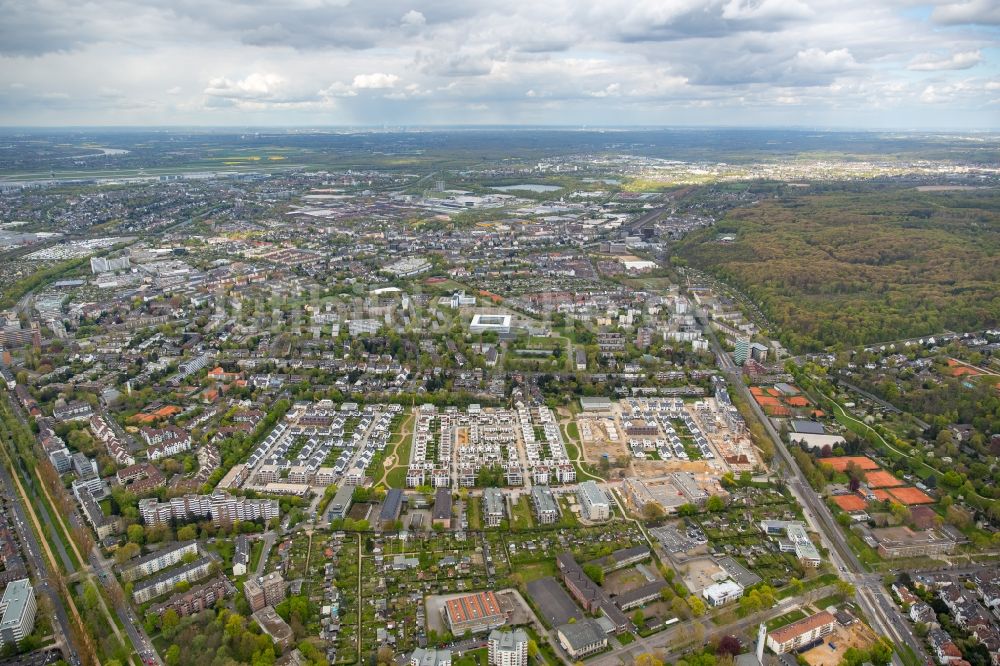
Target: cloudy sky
{"x":849,"y":63}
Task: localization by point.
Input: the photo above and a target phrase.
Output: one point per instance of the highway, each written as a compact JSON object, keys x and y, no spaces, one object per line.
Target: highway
{"x":871,"y":596}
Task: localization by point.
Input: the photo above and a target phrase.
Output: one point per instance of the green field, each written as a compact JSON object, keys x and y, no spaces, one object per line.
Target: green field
{"x":535,"y":570}
{"x":474,"y":509}
{"x":522,"y":518}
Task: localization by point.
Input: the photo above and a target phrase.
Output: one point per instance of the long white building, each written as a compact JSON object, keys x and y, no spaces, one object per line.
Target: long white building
{"x":221,"y":508}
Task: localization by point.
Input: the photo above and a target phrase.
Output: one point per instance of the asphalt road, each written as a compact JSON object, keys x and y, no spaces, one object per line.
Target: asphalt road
{"x":36,"y":562}
{"x":133,"y":627}
{"x":871,"y":596}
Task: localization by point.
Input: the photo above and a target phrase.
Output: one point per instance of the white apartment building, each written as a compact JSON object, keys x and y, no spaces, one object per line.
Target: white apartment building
{"x":508,"y":648}
{"x":17,"y":612}
{"x":596,"y":506}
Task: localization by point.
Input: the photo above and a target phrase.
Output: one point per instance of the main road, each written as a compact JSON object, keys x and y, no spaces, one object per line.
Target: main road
{"x":133,"y":626}
{"x":871,"y":596}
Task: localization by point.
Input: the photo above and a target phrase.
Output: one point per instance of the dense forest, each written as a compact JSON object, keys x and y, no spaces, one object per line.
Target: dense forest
{"x":849,"y":268}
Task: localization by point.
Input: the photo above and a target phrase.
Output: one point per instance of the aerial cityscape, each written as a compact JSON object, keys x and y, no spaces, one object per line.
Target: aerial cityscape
{"x":535,"y":338}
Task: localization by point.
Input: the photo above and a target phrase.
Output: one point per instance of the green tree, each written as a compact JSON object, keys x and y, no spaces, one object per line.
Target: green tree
{"x":696,"y":605}
{"x":187,"y":533}
{"x":594,"y":572}
{"x":136,"y":534}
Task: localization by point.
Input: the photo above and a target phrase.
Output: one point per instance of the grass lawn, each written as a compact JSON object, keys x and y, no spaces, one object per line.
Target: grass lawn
{"x":625,"y":638}
{"x":396,"y":478}
{"x":569,"y":518}
{"x":536,"y":570}
{"x":546,"y":654}
{"x":832,"y":600}
{"x":473,"y":658}
{"x":522,"y":519}
{"x":787,"y":618}
{"x":474,"y":511}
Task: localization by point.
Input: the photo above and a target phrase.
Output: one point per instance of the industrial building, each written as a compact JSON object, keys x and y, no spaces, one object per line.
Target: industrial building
{"x":474,"y":612}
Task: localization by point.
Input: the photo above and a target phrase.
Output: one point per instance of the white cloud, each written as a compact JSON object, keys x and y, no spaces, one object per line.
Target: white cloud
{"x":616,"y":61}
{"x":259,"y":86}
{"x":818,"y":60}
{"x":611,"y":90}
{"x":935,"y":63}
{"x":375,"y":81}
{"x":973,"y":11}
{"x":766,"y":9}
{"x":413,"y":19}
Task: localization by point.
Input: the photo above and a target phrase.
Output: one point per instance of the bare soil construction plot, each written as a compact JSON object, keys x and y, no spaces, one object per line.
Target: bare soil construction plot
{"x":623,"y":580}
{"x":857,"y":635}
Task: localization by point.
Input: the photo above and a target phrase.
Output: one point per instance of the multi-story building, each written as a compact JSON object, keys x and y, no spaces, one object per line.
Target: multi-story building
{"x":115,"y":447}
{"x":493,"y":507}
{"x":596,"y":506}
{"x":197,"y":599}
{"x":165,"y":442}
{"x":474,"y":612}
{"x":268,"y":590}
{"x":590,"y":595}
{"x":508,"y":648}
{"x":17,"y":612}
{"x":73,"y":411}
{"x":241,"y":555}
{"x":254,"y":592}
{"x":341,"y":503}
{"x":742,"y":351}
{"x":799,"y":634}
{"x":104,"y":525}
{"x":544,"y":502}
{"x":165,"y":581}
{"x":158,"y":560}
{"x":221,"y":508}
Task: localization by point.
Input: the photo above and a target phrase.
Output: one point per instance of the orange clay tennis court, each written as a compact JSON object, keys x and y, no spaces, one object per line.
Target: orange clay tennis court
{"x":881,"y":495}
{"x":910,"y":496}
{"x":840,"y":463}
{"x":850,"y":503}
{"x":882,"y":479}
